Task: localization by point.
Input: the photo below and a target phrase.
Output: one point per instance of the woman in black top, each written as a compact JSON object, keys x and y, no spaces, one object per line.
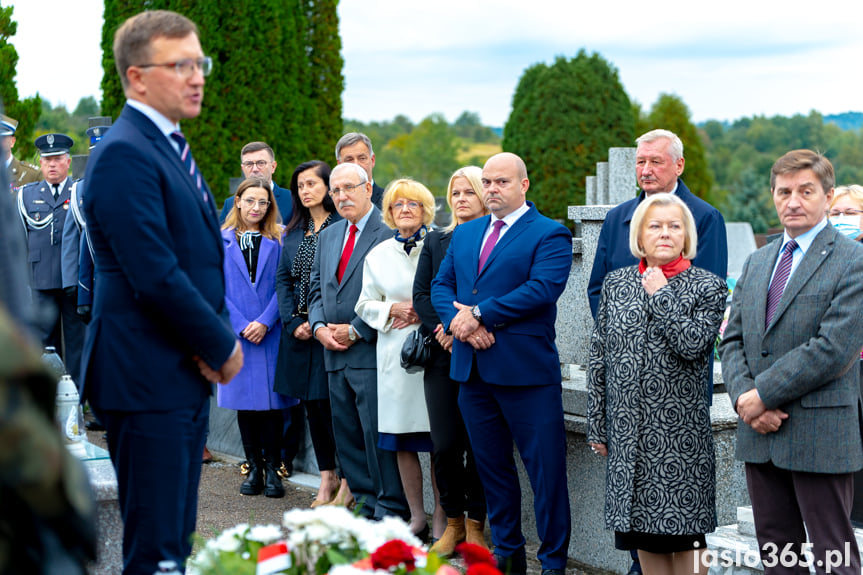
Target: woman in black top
{"x":454,"y":468}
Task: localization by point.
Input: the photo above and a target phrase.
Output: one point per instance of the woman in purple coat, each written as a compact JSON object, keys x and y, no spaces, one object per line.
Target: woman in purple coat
{"x":252,"y":237}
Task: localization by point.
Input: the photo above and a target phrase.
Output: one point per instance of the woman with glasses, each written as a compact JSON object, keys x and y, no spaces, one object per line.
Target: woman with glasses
{"x":385,"y":304}
{"x":252,"y":240}
{"x":846,"y":211}
{"x":300,"y":369}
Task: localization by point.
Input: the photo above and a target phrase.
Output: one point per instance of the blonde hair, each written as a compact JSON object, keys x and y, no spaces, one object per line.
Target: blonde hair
{"x":853,"y":191}
{"x":410,"y":190}
{"x":472,"y":174}
{"x":271,"y":227}
{"x":690,"y":240}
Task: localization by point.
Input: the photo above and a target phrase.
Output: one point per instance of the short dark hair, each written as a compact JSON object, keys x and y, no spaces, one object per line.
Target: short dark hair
{"x":133,"y":39}
{"x":798,"y":160}
{"x":350,"y":139}
{"x":301,"y":215}
{"x":252,"y":147}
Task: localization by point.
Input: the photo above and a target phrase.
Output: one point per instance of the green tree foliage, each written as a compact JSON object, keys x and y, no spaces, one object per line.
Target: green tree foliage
{"x":59,"y":120}
{"x":670,"y":113}
{"x":751,"y":204}
{"x":426,"y":154}
{"x":25,"y":111}
{"x":277,"y":78}
{"x":469,"y":127}
{"x":564,"y":118}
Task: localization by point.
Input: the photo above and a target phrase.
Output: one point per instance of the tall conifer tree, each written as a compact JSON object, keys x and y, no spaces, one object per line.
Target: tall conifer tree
{"x":25,"y":111}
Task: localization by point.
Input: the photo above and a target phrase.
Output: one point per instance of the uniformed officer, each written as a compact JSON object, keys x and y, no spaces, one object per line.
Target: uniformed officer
{"x":20,"y":173}
{"x":77,"y":256}
{"x":43,"y":207}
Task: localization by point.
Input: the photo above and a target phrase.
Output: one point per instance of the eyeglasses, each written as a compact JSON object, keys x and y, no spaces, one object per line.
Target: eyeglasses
{"x":260,"y":163}
{"x":250,"y":203}
{"x":186,"y":67}
{"x":848,"y":212}
{"x":402,"y":205}
{"x":347,"y":190}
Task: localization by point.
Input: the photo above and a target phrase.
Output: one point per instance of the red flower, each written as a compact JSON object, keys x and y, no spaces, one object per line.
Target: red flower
{"x":482,"y":569}
{"x":392,"y":554}
{"x":474,"y":554}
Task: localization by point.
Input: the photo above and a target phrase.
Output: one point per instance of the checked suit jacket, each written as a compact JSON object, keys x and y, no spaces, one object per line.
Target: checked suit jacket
{"x":805,"y":361}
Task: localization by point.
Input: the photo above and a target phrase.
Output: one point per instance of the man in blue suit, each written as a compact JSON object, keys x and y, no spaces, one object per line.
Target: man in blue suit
{"x":257,"y":160}
{"x":160,"y":332}
{"x":497,"y":292}
{"x":659,"y":163}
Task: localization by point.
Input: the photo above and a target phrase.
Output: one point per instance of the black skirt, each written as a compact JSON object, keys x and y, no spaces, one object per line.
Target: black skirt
{"x":658,"y":543}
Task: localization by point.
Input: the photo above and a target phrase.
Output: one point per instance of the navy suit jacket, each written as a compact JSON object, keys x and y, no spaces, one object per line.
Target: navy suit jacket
{"x":517,"y":294}
{"x":612,"y":251}
{"x":283,"y":200}
{"x":333,"y":302}
{"x":160,"y":297}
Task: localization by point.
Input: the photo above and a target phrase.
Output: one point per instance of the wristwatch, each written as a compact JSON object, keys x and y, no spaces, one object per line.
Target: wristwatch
{"x":476,"y":314}
{"x":352,"y":334}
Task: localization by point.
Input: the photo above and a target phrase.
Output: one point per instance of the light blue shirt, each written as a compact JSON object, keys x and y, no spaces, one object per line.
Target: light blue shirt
{"x":804,"y":241}
{"x":166,"y":126}
{"x":361,"y":224}
{"x":508,"y":221}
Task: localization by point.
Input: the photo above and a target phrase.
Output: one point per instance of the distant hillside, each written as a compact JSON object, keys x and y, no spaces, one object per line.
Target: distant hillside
{"x":846,"y":120}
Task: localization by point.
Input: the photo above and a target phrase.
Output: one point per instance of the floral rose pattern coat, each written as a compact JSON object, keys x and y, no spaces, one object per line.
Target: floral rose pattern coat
{"x":647,"y":390}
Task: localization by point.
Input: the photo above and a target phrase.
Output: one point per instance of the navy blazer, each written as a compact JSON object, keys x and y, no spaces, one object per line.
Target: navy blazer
{"x":333,"y":302}
{"x":160,"y":296}
{"x":517,"y":293}
{"x":612,"y":251}
{"x":283,"y":200}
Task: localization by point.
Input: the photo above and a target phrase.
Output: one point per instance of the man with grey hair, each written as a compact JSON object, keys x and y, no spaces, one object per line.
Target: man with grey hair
{"x":349,"y":343}
{"x":659,"y":163}
{"x":356,"y":148}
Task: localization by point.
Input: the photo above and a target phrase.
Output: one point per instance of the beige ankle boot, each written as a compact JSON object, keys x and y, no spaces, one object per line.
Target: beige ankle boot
{"x":454,"y":534}
{"x":474,"y":532}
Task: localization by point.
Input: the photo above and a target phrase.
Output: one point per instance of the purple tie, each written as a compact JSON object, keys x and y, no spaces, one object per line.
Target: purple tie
{"x":780,"y":278}
{"x":489,"y":244}
{"x":188,"y":160}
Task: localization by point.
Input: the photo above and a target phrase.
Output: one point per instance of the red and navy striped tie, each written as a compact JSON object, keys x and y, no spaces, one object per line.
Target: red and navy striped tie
{"x":188,"y":160}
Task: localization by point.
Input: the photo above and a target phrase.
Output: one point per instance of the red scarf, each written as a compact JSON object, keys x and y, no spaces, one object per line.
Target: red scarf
{"x":670,"y":269}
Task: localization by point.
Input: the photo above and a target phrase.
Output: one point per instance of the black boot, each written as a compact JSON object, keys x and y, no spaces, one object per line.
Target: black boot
{"x":274,"y":487}
{"x":254,"y":483}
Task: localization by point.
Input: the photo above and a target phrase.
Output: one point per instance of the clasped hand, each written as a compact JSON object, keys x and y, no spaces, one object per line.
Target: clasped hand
{"x":466,"y":328}
{"x":754,"y":413}
{"x":403,"y":314}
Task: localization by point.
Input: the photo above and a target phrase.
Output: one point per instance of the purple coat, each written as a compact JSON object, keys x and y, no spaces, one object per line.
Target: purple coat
{"x":252,"y":388}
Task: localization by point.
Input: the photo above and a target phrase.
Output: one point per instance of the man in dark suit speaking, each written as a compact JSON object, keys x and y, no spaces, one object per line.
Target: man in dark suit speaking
{"x":159,"y":332}
{"x":497,"y":291}
{"x":789,"y":360}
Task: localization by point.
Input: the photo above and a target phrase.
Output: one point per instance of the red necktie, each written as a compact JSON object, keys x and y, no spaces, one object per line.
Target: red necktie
{"x":489,"y":244}
{"x":780,"y":278}
{"x":346,"y":252}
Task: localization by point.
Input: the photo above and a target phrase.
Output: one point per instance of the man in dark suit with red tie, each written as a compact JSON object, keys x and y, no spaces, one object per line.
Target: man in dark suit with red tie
{"x":497,"y":291}
{"x":160,"y":332}
{"x":790,"y":357}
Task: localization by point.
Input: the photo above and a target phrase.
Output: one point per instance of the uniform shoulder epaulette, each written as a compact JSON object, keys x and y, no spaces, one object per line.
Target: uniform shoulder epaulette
{"x":29,"y":165}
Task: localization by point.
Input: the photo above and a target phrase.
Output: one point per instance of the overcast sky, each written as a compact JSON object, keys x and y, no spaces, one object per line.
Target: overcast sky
{"x":726,"y":60}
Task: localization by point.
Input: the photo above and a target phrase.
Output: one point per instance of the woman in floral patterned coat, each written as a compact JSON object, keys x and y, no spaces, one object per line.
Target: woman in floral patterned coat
{"x":647,"y":383}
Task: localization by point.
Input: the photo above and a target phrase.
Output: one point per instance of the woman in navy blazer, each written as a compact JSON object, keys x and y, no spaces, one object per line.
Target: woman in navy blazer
{"x":300,"y":369}
{"x":252,"y":239}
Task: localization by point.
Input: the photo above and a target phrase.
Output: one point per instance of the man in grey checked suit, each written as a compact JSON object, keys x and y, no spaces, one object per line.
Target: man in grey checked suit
{"x":349,"y":354}
{"x":794,"y":378}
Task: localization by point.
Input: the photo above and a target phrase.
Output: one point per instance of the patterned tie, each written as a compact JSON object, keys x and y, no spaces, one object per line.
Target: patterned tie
{"x":780,"y":278}
{"x":188,"y":160}
{"x":346,"y":252}
{"x":489,"y":244}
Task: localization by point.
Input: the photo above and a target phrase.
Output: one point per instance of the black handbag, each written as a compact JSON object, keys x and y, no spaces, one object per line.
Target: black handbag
{"x":416,"y":350}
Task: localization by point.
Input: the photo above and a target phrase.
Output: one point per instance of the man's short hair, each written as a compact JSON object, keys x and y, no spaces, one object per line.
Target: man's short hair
{"x":253,"y":147}
{"x":351,"y":167}
{"x":675,"y":150}
{"x":798,"y":160}
{"x":132,"y":41}
{"x":690,"y":240}
{"x":350,"y":139}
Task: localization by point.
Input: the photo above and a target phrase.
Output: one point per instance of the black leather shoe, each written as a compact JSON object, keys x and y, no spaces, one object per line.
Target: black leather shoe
{"x":254,"y":482}
{"x":94,"y":426}
{"x":273,"y":483}
{"x":515,"y":564}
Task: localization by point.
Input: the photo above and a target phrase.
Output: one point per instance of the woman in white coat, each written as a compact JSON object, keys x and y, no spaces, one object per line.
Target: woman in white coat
{"x":385,"y":304}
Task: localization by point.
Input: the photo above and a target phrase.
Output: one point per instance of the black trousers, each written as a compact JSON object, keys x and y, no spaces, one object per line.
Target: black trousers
{"x":320,"y":418}
{"x":57,"y":324}
{"x":261,"y":433}
{"x":454,"y":466}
